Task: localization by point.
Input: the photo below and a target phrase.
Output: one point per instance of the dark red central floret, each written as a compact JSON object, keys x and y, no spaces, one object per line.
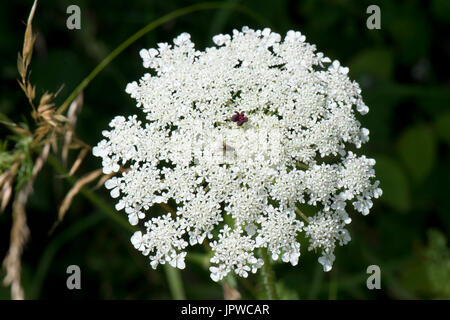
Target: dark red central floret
{"x":239,"y":118}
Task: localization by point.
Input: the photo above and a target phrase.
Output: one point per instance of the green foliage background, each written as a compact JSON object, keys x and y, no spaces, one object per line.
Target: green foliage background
{"x":403,"y":71}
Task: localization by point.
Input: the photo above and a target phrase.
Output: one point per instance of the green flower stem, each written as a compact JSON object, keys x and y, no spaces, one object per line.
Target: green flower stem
{"x":302,"y":215}
{"x":172,"y":274}
{"x":268,"y":276}
{"x":175,"y":282}
{"x":149,"y":27}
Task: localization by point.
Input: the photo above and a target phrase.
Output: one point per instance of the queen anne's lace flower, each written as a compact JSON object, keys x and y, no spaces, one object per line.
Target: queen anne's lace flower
{"x":238,"y":136}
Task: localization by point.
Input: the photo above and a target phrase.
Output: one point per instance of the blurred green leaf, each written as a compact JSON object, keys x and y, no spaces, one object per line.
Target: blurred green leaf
{"x":417,"y":149}
{"x":441,"y":10}
{"x":410,"y":31}
{"x":428,"y":270}
{"x":394,"y":183}
{"x":374,"y":62}
{"x":438,"y":266}
{"x":443,"y":127}
{"x":285,"y":292}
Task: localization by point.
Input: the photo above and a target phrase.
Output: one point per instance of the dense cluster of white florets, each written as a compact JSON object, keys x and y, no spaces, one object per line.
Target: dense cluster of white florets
{"x":239,"y":136}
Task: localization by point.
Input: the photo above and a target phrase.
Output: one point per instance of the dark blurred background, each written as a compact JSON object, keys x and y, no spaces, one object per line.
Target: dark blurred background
{"x":404,"y":74}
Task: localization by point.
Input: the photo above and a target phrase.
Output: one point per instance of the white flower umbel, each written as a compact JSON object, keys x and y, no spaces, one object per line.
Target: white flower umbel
{"x":238,"y":136}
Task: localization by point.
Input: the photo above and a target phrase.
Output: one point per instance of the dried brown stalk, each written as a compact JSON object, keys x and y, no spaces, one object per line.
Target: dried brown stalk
{"x":6,"y":184}
{"x":20,"y":231}
{"x":75,"y":190}
{"x":230,"y":293}
{"x":78,"y":161}
{"x":103,"y":179}
{"x":72,"y":114}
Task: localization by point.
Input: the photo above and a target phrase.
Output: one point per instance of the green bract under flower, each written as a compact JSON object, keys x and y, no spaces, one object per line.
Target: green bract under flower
{"x":238,"y":186}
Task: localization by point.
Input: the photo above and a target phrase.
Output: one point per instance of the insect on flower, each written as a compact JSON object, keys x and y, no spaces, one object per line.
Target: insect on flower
{"x":239,"y":118}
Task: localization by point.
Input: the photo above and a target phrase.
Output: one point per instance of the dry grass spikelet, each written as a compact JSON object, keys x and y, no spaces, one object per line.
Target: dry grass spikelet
{"x":75,"y":190}
{"x":20,"y":231}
